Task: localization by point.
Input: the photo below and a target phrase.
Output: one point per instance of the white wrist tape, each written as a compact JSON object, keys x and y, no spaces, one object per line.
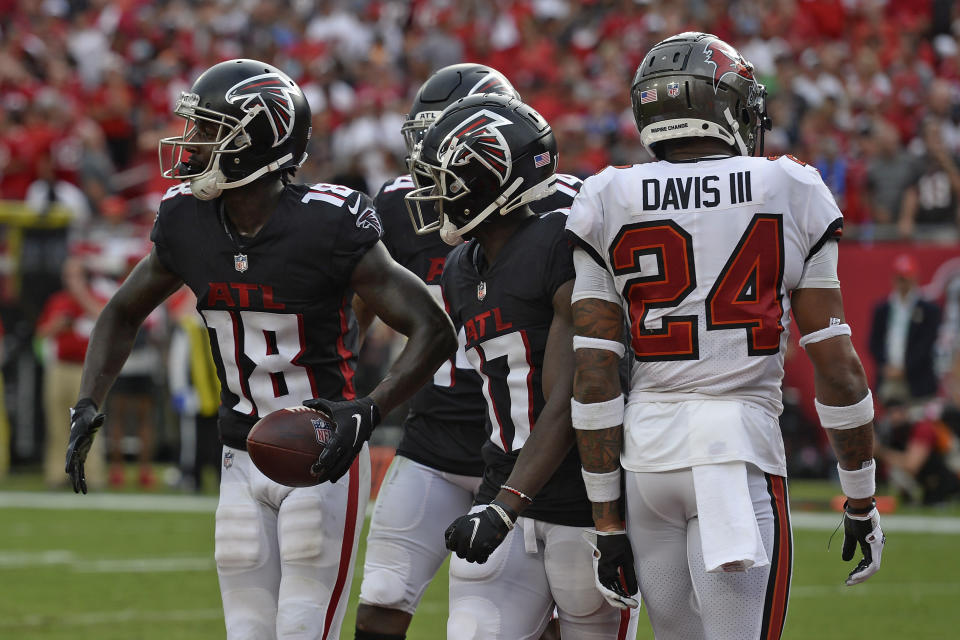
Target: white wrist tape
{"x":826,"y":333}
{"x":602,"y":487}
{"x":860,"y":483}
{"x":585,"y":342}
{"x":597,"y":415}
{"x":849,"y":417}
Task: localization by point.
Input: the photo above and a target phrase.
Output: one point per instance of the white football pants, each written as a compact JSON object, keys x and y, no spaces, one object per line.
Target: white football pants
{"x":512,"y":595}
{"x":284,"y":555}
{"x":685,"y":602}
{"x":405,"y":546}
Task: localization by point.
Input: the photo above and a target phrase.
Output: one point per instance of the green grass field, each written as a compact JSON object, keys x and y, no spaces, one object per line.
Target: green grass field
{"x":77,"y":574}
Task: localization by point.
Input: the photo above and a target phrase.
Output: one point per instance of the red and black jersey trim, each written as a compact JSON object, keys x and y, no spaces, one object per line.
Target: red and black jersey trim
{"x":781,"y":561}
{"x":833,"y":232}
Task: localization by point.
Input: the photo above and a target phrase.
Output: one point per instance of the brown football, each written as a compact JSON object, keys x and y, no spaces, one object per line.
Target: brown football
{"x":285,"y":443}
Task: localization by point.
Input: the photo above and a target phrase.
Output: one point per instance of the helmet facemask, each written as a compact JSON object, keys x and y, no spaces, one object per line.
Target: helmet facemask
{"x":413,"y":129}
{"x":436,"y":184}
{"x":177,"y":153}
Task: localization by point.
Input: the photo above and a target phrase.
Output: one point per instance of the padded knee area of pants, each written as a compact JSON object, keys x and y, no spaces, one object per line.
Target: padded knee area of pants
{"x":300,"y":620}
{"x":473,"y":618}
{"x":303,"y":602}
{"x":249,"y":614}
{"x":300,"y":524}
{"x":239,"y":540}
{"x":384,"y":588}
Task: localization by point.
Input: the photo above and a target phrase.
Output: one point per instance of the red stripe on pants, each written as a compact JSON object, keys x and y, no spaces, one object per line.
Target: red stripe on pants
{"x":346,"y":550}
{"x":780,"y":567}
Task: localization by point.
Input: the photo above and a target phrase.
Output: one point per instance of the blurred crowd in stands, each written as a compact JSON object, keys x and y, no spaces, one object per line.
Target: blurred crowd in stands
{"x":868,"y":91}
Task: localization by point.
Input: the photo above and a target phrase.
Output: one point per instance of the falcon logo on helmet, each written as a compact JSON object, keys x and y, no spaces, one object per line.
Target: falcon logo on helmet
{"x":493,"y":83}
{"x":479,"y":137}
{"x":725,"y":60}
{"x":273,"y":93}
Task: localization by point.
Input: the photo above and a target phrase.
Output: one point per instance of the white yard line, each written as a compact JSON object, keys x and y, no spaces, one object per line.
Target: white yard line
{"x":70,"y":561}
{"x":889,"y":522}
{"x":108,"y":502}
{"x":906,"y":590}
{"x":208,"y":504}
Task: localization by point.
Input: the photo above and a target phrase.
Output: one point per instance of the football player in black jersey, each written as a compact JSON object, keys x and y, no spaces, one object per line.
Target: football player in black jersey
{"x":479,"y":167}
{"x":274,"y":266}
{"x":436,"y":473}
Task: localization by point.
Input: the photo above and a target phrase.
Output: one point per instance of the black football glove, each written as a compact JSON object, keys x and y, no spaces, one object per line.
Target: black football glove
{"x":354,"y":421}
{"x":476,"y":535}
{"x":84,"y":423}
{"x":613,"y":569}
{"x":863,"y":529}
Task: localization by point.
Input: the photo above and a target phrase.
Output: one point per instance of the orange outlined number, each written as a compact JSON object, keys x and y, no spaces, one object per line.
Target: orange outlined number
{"x":636,"y":249}
{"x":747,"y":293}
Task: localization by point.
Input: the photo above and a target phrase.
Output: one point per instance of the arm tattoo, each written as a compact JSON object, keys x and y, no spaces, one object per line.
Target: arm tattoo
{"x":852,"y":446}
{"x":600,"y":449}
{"x":606,"y":511}
{"x":597,"y":380}
{"x":596,"y":377}
{"x":597,"y":319}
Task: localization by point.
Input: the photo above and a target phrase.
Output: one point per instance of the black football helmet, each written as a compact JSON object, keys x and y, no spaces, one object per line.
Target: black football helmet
{"x":485,"y":154}
{"x":244,"y":119}
{"x":446,"y":86}
{"x":694,"y":85}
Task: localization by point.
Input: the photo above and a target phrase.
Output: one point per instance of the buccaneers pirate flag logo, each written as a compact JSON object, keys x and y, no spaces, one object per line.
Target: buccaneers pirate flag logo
{"x":725,"y":59}
{"x":479,"y":138}
{"x":271,"y":92}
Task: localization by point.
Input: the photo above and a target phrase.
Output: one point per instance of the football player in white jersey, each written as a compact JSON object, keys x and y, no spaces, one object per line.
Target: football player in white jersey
{"x":705,"y":252}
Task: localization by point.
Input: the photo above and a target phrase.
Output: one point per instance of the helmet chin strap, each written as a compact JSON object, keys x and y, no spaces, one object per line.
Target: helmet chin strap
{"x":456,"y":233}
{"x":212,"y":183}
{"x":449,"y":233}
{"x":207,"y":186}
{"x":735,"y":129}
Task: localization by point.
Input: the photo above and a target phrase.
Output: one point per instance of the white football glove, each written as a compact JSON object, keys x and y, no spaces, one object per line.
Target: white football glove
{"x":613,"y":570}
{"x":863,"y":529}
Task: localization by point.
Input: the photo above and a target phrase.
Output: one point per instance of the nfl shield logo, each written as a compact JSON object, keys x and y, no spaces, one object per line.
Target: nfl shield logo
{"x":240,"y":262}
{"x":673,"y":89}
{"x":481,"y":291}
{"x":322,"y":430}
{"x":228,"y":459}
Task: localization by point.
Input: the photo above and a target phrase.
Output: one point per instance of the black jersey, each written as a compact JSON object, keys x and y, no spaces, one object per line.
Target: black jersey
{"x":445,"y":428}
{"x":276,"y":306}
{"x":505,"y":310}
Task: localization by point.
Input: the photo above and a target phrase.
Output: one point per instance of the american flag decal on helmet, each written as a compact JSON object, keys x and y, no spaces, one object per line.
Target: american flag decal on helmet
{"x":479,"y":138}
{"x":273,"y":93}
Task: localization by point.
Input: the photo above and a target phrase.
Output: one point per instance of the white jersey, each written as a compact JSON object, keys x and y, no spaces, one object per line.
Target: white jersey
{"x":703,"y":256}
